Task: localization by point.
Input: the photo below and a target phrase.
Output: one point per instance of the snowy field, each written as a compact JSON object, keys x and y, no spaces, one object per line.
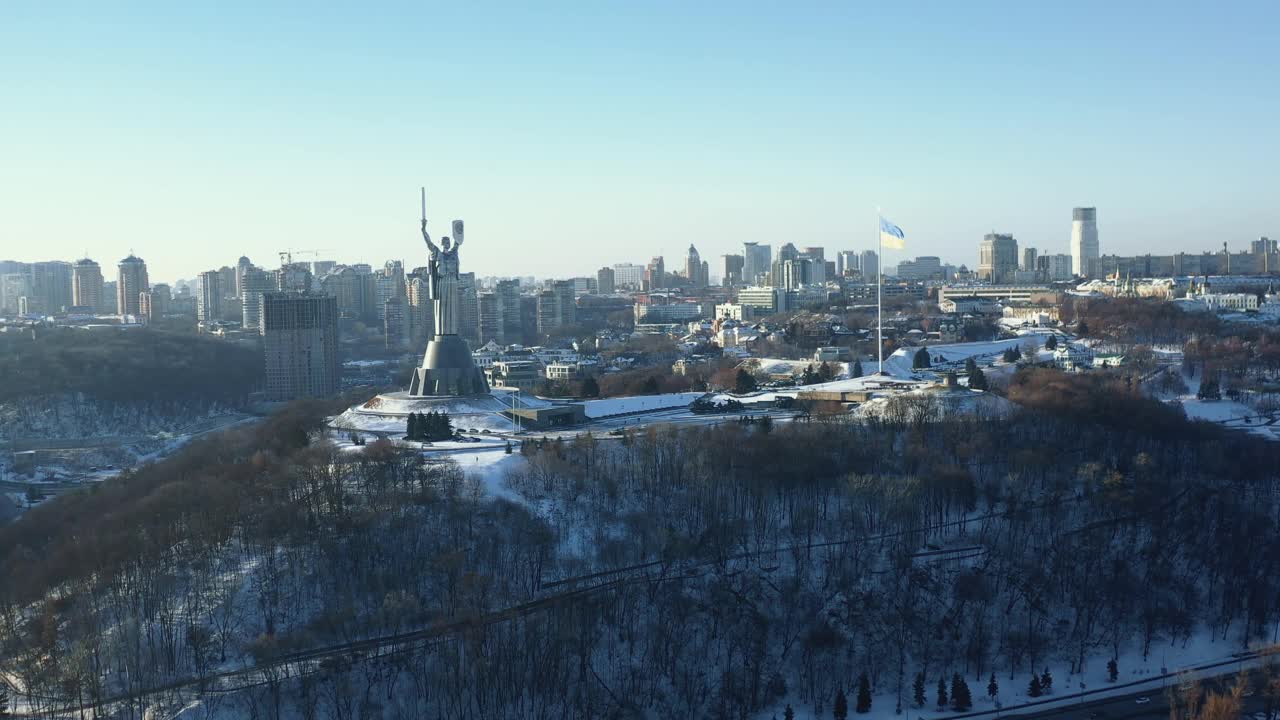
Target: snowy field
{"x":899,"y":363}
{"x":1228,"y":413}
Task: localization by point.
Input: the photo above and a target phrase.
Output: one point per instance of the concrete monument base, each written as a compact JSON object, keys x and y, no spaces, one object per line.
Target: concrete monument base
{"x":447,"y":369}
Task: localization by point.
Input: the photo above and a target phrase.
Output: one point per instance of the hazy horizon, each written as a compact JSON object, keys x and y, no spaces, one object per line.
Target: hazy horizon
{"x":592,"y":136}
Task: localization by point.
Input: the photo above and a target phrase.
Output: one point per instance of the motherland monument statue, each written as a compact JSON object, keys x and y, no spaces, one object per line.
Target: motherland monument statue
{"x":447,"y":366}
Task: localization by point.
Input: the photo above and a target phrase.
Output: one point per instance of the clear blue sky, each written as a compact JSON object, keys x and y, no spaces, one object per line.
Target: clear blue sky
{"x":576,"y":135}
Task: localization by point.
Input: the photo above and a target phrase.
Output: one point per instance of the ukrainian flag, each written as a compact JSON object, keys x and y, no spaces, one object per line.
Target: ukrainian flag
{"x":891,"y":236}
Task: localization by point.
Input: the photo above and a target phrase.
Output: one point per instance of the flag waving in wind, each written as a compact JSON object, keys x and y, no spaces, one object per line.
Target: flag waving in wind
{"x":891,"y":236}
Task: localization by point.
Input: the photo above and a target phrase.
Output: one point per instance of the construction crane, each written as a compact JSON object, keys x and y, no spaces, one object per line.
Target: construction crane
{"x":286,"y":256}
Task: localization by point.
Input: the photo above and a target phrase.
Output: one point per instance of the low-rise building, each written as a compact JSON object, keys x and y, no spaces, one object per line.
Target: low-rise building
{"x":518,"y":374}
{"x":1073,"y":357}
{"x":570,"y":370}
{"x":969,"y":306}
{"x":1013,"y":293}
{"x":1039,"y":315}
{"x":831,"y":353}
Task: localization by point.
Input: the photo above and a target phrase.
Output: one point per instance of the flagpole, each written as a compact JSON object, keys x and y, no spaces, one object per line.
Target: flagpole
{"x":879,"y":283}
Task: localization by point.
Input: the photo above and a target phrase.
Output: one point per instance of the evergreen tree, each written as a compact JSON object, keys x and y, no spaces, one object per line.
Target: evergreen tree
{"x":961,"y":700}
{"x":744,"y":382}
{"x":446,"y":426}
{"x":977,"y":379}
{"x":4,"y":700}
{"x":1113,"y":670}
{"x":864,"y":694}
{"x":917,"y":690}
{"x":1046,"y":681}
{"x":840,"y":709}
{"x":808,"y":377}
{"x":1034,"y":688}
{"x":788,"y":714}
{"x":824,"y":373}
{"x":649,"y":386}
{"x":857,"y":368}
{"x":1051,"y":343}
{"x":942,"y":693}
{"x":993,"y":687}
{"x":766,"y":424}
{"x":921,"y":359}
{"x":411,"y":429}
{"x":1082,"y":328}
{"x":508,"y":448}
{"x":590,"y":388}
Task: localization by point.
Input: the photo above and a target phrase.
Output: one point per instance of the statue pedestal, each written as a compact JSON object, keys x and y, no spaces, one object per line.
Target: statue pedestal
{"x":447,"y":370}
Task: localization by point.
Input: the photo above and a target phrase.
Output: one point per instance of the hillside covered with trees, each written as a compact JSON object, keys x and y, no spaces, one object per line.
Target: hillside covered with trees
{"x":125,"y":366}
{"x":685,"y":572}
{"x":70,"y":383}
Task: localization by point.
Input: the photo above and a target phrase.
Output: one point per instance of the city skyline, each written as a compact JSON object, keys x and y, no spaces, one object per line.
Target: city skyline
{"x":569,"y":144}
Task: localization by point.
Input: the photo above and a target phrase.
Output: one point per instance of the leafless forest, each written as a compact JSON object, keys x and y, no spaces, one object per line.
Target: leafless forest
{"x":681,"y":573}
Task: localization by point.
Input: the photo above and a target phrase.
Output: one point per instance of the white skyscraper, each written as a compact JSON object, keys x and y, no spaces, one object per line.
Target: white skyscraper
{"x":1084,"y":239}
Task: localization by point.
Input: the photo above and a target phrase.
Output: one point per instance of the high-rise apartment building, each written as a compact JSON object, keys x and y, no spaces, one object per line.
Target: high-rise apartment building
{"x":693,"y":268}
{"x":354,"y":290}
{"x":628,"y":276}
{"x":131,"y":282}
{"x":777,"y":275}
{"x":794,"y":273}
{"x":846,"y":262}
{"x":227,"y":275}
{"x":209,"y":296}
{"x":1054,"y":267}
{"x":86,"y":286}
{"x":243,"y":265}
{"x":568,"y":302}
{"x":869,"y":264}
{"x":254,"y":283}
{"x":420,"y":310}
{"x":294,"y":277}
{"x":154,"y":304}
{"x":51,"y":290}
{"x":604,"y":281}
{"x":1266,"y":251}
{"x":300,"y":345}
{"x":756,"y":259}
{"x":508,"y":292}
{"x":469,"y":308}
{"x":997,"y":258}
{"x":388,"y":283}
{"x":731,"y":270}
{"x":1029,"y":259}
{"x":492,"y":322}
{"x":1084,"y":240}
{"x":655,"y":274}
{"x":548,"y":312}
{"x":395,"y":323}
{"x":15,"y":287}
